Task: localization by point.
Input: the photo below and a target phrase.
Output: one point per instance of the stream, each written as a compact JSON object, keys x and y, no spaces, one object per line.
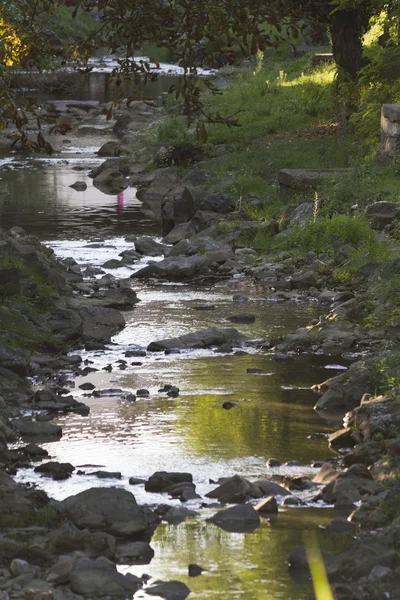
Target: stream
{"x":190,"y":433}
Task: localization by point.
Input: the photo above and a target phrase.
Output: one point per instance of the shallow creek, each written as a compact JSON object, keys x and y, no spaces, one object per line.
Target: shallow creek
{"x":191,"y":433}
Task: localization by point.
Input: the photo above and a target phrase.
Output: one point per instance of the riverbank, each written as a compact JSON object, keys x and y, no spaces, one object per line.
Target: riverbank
{"x":216,"y":237}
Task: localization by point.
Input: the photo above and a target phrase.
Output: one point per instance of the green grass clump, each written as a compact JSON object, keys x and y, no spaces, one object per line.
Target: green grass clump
{"x":40,"y":517}
{"x":321,"y":233}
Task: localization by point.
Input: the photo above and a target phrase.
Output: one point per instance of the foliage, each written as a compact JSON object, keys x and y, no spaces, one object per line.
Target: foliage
{"x":320,"y":233}
{"x":388,"y":368}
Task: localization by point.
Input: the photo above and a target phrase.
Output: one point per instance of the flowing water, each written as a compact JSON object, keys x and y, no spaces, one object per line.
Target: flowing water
{"x":191,"y":433}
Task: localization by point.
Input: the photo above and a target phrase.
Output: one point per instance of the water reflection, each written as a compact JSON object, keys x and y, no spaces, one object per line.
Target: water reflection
{"x":40,"y":200}
{"x":241,"y":566}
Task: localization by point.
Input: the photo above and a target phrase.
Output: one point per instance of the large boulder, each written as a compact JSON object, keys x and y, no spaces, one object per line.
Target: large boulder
{"x":14,"y":359}
{"x":152,"y":196}
{"x":236,"y":490}
{"x":174,"y":268}
{"x":37,"y":429}
{"x":149,"y":247}
{"x":217,"y":202}
{"x":100,"y":323}
{"x":382,"y":213}
{"x":242,"y":518}
{"x":161,"y":481}
{"x":94,"y":578}
{"x":204,"y":338}
{"x":112,"y":510}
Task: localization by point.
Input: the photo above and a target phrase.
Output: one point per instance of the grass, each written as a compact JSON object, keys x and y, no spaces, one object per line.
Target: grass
{"x":41,"y":517}
{"x":273,"y":98}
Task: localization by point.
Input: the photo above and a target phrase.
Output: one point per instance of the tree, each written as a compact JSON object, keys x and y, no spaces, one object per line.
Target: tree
{"x":197,"y":32}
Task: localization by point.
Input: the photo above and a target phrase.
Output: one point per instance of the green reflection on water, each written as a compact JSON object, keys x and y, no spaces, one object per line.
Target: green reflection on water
{"x":242,"y":566}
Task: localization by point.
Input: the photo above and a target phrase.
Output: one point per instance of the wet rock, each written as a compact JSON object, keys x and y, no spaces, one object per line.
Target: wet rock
{"x":55,"y":470}
{"x":36,"y":429}
{"x":170,"y":590}
{"x":228,"y":405}
{"x":34,"y":451}
{"x":292,"y":501}
{"x":142,"y":393}
{"x":178,"y":514}
{"x":134,"y":553}
{"x":107,"y":474}
{"x":270,"y":488}
{"x":242,"y":318}
{"x":344,"y":438}
{"x":99,"y":323}
{"x":108,"y":149}
{"x":267,"y":506}
{"x":79,"y":186}
{"x":113,"y":263}
{"x":136,"y":480}
{"x":340,"y":525}
{"x":87,"y":386}
{"x":110,"y":181}
{"x":160,"y":481}
{"x":136,"y":352}
{"x":326,"y":474}
{"x":176,"y":268}
{"x":184,"y":490}
{"x":236,"y":489}
{"x":273,"y":462}
{"x":112,"y":510}
{"x":100,"y":578}
{"x":194,"y":570}
{"x":204,"y":338}
{"x":254,"y":370}
{"x":149,"y":247}
{"x":240,"y":519}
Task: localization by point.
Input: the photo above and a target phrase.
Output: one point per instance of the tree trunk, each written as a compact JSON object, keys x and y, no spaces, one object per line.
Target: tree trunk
{"x":347,"y":28}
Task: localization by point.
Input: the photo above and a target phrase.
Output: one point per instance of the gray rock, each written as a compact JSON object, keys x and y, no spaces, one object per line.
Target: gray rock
{"x":134,"y":553}
{"x":240,"y":519}
{"x":204,"y":338}
{"x":161,"y":481}
{"x":234,"y":490}
{"x":267,"y":506}
{"x":112,"y":510}
{"x":174,"y":268}
{"x":79,"y":186}
{"x":108,"y":149}
{"x":270,"y":488}
{"x":383,"y":213}
{"x":36,"y":429}
{"x":149,"y":247}
{"x":241,"y":318}
{"x":217,"y":202}
{"x":170,"y":590}
{"x":14,"y":359}
{"x":178,"y":514}
{"x":100,"y":577}
{"x":110,"y":181}
{"x":100,"y":323}
{"x":56,"y":470}
{"x":180,"y":232}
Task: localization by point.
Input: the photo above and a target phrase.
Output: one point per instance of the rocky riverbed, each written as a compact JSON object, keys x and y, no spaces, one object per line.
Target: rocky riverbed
{"x":55,"y":312}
